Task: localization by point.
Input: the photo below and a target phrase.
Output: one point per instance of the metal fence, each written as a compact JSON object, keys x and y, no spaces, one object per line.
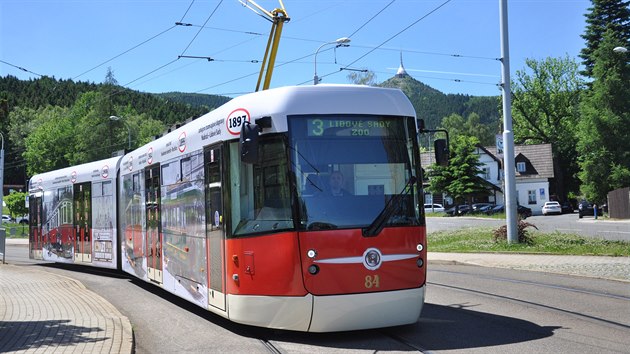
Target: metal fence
{"x":619,"y":203}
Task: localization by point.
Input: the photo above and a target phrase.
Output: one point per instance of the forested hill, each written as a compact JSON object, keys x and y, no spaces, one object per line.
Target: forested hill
{"x":433,"y":105}
{"x":195,"y":99}
{"x":46,"y":91}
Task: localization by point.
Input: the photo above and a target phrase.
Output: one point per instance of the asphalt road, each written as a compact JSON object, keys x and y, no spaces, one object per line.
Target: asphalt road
{"x":566,"y":223}
{"x":468,"y":309}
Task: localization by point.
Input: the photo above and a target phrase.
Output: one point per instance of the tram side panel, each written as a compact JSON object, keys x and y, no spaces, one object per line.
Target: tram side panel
{"x":133,"y":224}
{"x":183,"y":228}
{"x":75,"y":215}
{"x":164,"y":225}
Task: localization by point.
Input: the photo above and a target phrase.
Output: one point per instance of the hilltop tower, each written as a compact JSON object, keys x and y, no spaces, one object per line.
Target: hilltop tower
{"x":401,"y":73}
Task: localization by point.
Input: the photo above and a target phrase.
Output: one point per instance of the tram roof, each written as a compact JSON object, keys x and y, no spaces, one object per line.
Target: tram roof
{"x":89,"y":172}
{"x":278,"y":103}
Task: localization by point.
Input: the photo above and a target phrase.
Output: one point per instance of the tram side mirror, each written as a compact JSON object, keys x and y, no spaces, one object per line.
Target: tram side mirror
{"x":249,"y":142}
{"x":440,"y":147}
{"x":421,"y":125}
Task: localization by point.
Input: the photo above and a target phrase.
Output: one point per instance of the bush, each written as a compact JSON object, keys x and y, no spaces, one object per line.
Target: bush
{"x":500,"y":234}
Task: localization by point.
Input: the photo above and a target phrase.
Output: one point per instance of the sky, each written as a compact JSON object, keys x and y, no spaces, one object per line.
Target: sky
{"x":452,"y":46}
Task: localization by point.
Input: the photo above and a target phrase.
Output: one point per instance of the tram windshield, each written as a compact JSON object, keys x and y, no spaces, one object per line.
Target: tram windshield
{"x":350,"y":168}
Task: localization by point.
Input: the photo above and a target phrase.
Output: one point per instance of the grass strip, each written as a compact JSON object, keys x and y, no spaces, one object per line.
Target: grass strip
{"x":472,"y":240}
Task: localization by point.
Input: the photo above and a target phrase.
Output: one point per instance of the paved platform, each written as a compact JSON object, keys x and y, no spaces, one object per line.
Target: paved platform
{"x":41,"y":312}
{"x":613,"y":268}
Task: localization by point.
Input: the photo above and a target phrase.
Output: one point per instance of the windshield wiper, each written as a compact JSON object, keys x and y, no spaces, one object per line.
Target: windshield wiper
{"x":309,"y":163}
{"x":377,"y":225}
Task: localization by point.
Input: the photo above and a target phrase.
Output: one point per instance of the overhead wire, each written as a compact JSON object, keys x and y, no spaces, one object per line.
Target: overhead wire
{"x":20,"y":68}
{"x":188,"y":9}
{"x":401,"y":31}
{"x":370,"y":20}
{"x":391,"y":37}
{"x":200,"y":29}
{"x":125,"y":52}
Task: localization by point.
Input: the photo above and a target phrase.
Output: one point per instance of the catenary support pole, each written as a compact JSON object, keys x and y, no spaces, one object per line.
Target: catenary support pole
{"x":508,"y":134}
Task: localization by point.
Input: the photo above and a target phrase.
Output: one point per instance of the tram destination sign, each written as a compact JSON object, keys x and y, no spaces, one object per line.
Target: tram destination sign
{"x":348,"y":127}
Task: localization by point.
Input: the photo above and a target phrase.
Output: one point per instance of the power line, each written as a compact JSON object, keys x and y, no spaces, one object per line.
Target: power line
{"x":388,"y":39}
{"x":373,"y":17}
{"x":455,"y":55}
{"x":201,"y":28}
{"x":151,"y":72}
{"x":188,"y":9}
{"x":403,"y":30}
{"x":20,"y":68}
{"x":125,"y":52}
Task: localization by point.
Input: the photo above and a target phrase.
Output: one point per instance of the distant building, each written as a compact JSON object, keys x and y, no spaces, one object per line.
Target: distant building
{"x":401,"y":73}
{"x":534,"y":175}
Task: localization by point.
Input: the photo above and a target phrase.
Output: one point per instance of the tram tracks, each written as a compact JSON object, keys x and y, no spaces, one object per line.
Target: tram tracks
{"x":526,"y":302}
{"x":534,"y":283}
{"x":405,"y":342}
{"x":270,"y":346}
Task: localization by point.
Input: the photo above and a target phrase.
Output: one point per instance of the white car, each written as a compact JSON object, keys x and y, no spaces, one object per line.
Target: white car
{"x":433,"y":208}
{"x":6,"y":219}
{"x":551,"y":208}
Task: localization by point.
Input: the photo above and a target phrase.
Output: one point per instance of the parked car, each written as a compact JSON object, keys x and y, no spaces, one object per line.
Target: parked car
{"x":551,"y":208}
{"x":480,"y":207}
{"x":567,"y":208}
{"x":586,"y":208}
{"x":461,"y":210}
{"x":6,"y":219}
{"x":523,"y":211}
{"x":22,"y":219}
{"x":433,"y":208}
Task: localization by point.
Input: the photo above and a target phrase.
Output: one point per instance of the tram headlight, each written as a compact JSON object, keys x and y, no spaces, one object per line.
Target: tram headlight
{"x":311,"y":253}
{"x":420,"y":262}
{"x":313,"y":269}
{"x":419,"y":247}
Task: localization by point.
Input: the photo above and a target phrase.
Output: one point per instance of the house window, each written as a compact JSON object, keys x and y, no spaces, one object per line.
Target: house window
{"x":520,"y":166}
{"x":531,"y":197}
{"x":486,"y":173}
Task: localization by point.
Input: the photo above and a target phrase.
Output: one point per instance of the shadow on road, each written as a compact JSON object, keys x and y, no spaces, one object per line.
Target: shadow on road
{"x":457,"y":327}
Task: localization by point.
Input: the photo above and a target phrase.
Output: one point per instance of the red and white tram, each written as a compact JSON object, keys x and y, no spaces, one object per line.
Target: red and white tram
{"x":293,"y":208}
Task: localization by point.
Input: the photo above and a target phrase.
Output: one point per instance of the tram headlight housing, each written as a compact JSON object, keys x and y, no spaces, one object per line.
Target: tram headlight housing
{"x":420,"y":262}
{"x":313,"y":269}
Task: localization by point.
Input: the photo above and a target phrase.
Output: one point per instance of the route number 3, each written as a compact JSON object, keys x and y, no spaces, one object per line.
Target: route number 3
{"x":372,"y":282}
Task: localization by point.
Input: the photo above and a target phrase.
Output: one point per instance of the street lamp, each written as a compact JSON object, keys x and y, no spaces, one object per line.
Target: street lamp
{"x":343,"y":41}
{"x":114,"y":118}
{"x":620,"y":50}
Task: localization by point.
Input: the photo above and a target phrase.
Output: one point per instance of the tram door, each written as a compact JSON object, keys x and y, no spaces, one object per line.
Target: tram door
{"x":214,"y":227}
{"x":36,"y":242}
{"x":83,"y":222}
{"x":154,"y":224}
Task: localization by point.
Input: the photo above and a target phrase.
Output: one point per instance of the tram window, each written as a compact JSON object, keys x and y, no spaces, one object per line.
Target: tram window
{"x":170,"y":173}
{"x":136,"y":182}
{"x":376,"y":165}
{"x":268,"y":208}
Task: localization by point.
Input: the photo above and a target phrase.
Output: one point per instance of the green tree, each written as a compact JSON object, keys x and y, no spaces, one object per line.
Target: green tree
{"x":545,"y":109}
{"x":456,"y":125}
{"x":362,"y":77}
{"x":48,"y":143}
{"x":16,"y":202}
{"x":604,"y":15}
{"x":460,"y":179}
{"x":604,"y":137}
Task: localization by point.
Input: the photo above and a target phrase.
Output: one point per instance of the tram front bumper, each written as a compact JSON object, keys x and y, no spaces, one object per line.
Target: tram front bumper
{"x":369,"y":310}
{"x":330,"y":313}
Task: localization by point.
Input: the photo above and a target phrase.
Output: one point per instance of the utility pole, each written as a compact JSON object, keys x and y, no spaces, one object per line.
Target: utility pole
{"x":508,"y":134}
